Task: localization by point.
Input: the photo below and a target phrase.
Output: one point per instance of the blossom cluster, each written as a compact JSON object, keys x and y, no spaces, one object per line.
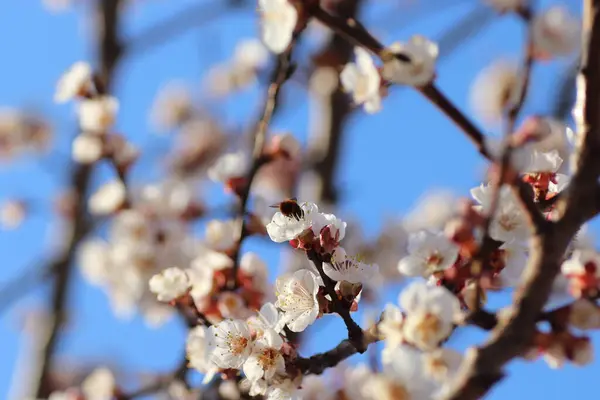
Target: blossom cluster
{"x":97,"y":113}
{"x":151,"y":260}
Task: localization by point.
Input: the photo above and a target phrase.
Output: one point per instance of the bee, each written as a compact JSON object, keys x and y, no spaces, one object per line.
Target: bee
{"x":290,"y":208}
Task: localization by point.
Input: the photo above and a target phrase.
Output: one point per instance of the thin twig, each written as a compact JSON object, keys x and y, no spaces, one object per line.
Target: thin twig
{"x":355,"y":332}
{"x":352,"y":31}
{"x":318,"y":363}
{"x":433,"y":94}
{"x":280,"y":75}
{"x":487,"y":245}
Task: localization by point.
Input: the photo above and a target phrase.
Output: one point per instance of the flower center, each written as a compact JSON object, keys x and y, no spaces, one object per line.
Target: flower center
{"x":437,"y":366}
{"x":231,"y":302}
{"x":507,"y":223}
{"x":238,"y":344}
{"x":397,"y":391}
{"x":428,"y":326}
{"x":267,"y":358}
{"x":435,"y":260}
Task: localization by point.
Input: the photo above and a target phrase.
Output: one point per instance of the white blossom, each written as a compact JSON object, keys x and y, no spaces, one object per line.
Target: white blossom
{"x":229,"y":166}
{"x":99,"y":385}
{"x":350,"y":269}
{"x":509,"y":221}
{"x":108,"y":198}
{"x":283,"y":228}
{"x":266,"y":359}
{"x":131,"y":225}
{"x":555,"y":355}
{"x":403,"y":377}
{"x":355,"y":379}
{"x":314,"y":387}
{"x":555,"y":32}
{"x":230,"y":343}
{"x":202,"y":270}
{"x":251,"y":54}
{"x":60,"y":395}
{"x":76,"y":81}
{"x":543,"y":161}
{"x":515,"y":259}
{"x":198,"y":352}
{"x":173,"y":196}
{"x":212,"y":260}
{"x":442,"y":364}
{"x":496,"y":87}
{"x":419,"y":70}
{"x":232,"y":305}
{"x":172,"y":107}
{"x":431,"y":211}
{"x":94,"y":259}
{"x":362,"y":79}
{"x":87,"y":148}
{"x":391,"y":326}
{"x":222,"y":235}
{"x":12,"y":213}
{"x":297,"y":298}
{"x":170,"y":284}
{"x":582,"y":262}
{"x":268,"y":318}
{"x":429,"y":252}
{"x":288,"y":143}
{"x":252,"y":265}
{"x":335,"y":226}
{"x":98,"y":115}
{"x":279,"y":393}
{"x":258,"y":387}
{"x":430,"y":313}
{"x":278,"y":21}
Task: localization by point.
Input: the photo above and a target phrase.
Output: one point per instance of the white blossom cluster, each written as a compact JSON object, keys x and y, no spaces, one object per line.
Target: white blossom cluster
{"x":364,"y":81}
{"x":151,"y":261}
{"x":97,"y":113}
{"x":142,"y":241}
{"x":100,"y":384}
{"x":22,"y":133}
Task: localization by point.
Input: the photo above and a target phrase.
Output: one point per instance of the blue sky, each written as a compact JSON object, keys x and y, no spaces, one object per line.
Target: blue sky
{"x":389,"y":159}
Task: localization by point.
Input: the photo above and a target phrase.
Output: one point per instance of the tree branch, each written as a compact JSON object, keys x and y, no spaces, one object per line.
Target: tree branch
{"x":513,"y":335}
{"x":355,"y":332}
{"x":110,"y":51}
